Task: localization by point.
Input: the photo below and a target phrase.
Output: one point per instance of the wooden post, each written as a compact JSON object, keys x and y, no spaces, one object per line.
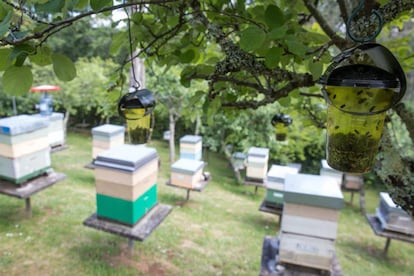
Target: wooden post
{"x":387,"y":245}
{"x":28,"y":207}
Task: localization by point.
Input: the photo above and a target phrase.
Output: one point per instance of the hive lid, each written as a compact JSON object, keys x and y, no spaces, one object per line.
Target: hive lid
{"x":258,"y":152}
{"x":278,"y":172}
{"x":315,"y":190}
{"x":126,"y":157}
{"x":238,"y":155}
{"x":20,"y":124}
{"x":386,"y":198}
{"x":190,"y":139}
{"x":187,"y":166}
{"x":108,"y":130}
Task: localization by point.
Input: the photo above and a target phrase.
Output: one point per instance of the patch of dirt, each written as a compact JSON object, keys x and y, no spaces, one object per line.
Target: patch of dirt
{"x":142,"y":263}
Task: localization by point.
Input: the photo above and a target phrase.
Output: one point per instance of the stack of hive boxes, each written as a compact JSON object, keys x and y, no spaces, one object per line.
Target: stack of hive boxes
{"x":257,"y":159}
{"x":187,"y":173}
{"x":191,"y":147}
{"x":327,"y":170}
{"x":105,"y":137}
{"x":126,"y":182}
{"x":393,"y":217}
{"x":353,"y":182}
{"x":275,"y":184}
{"x":56,"y":133}
{"x":239,"y":160}
{"x":24,"y":148}
{"x":310,"y":220}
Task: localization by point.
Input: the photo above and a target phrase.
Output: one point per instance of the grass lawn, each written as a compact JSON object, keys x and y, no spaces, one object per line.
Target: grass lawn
{"x":217,"y":232}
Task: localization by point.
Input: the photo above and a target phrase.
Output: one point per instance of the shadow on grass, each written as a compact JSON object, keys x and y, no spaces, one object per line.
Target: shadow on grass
{"x":261,"y":223}
{"x":13,"y":213}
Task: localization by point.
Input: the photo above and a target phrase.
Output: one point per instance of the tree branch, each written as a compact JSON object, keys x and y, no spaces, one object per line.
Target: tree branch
{"x":69,"y":21}
{"x":340,"y":42}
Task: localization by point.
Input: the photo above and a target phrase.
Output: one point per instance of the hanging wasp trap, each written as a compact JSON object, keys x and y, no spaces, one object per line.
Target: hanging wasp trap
{"x":359,"y":87}
{"x":136,"y":107}
{"x":281,"y":122}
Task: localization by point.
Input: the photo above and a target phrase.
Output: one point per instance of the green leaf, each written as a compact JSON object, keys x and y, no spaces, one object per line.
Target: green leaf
{"x":213,"y":108}
{"x":63,"y":67}
{"x":272,"y":57}
{"x":274,"y":17}
{"x":296,"y":48}
{"x":5,"y":60}
{"x":96,"y":5}
{"x":187,"y":56}
{"x":197,"y":97}
{"x":204,"y":69}
{"x":52,"y":6}
{"x":252,"y":38}
{"x":17,"y":80}
{"x":22,"y":50}
{"x":185,"y":73}
{"x":42,"y":57}
{"x":285,"y":101}
{"x":278,"y":33}
{"x":4,"y":25}
{"x":81,"y":4}
{"x":315,"y":69}
{"x":118,"y":40}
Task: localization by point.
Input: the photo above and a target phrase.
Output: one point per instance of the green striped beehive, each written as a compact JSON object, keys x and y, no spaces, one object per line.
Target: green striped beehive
{"x":125,"y":179}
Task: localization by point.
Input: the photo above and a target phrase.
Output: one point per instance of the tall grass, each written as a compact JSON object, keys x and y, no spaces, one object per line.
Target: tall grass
{"x":217,"y":232}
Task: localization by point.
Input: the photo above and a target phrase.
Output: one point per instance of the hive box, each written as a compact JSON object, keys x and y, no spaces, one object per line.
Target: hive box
{"x":105,"y":137}
{"x":125,"y":179}
{"x":187,"y":173}
{"x":393,"y":217}
{"x":24,"y":148}
{"x":312,"y":205}
{"x":257,"y":159}
{"x":124,"y":184}
{"x":238,"y":159}
{"x":353,"y":182}
{"x":56,"y":133}
{"x":125,"y":211}
{"x":22,"y":135}
{"x":306,"y":251}
{"x":18,"y":170}
{"x":313,"y":190}
{"x":275,"y":182}
{"x":191,"y":147}
{"x":326,"y":170}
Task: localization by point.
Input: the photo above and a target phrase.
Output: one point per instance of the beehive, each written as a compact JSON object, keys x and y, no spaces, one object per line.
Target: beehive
{"x":393,"y":217}
{"x":126,"y":182}
{"x":310,"y":220}
{"x":24,"y":148}
{"x":105,"y":137}
{"x":257,"y":159}
{"x":55,"y":132}
{"x":187,"y":173}
{"x":191,"y":147}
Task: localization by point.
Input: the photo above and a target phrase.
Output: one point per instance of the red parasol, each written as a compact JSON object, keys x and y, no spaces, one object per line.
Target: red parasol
{"x":45,"y":88}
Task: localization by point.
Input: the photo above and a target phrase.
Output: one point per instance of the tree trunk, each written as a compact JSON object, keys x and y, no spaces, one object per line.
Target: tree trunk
{"x":65,"y":124}
{"x":172,"y":137}
{"x":198,"y":125}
